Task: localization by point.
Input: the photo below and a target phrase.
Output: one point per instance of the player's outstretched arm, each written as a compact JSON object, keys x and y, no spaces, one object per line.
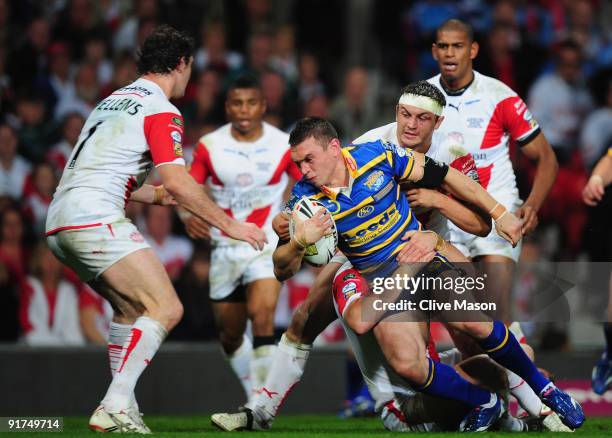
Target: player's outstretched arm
{"x":428,"y":173}
{"x":546,"y":172}
{"x":287,"y":258}
{"x":191,"y":197}
{"x":600,"y":178}
{"x":466,"y":216}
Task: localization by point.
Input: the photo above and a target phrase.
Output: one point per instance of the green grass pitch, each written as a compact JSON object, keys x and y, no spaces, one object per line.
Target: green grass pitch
{"x":292,"y":426}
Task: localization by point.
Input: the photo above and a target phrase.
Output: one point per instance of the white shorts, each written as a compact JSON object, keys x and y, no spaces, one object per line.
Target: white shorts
{"x":231,"y":266}
{"x":493,"y":244}
{"x":91,"y":251}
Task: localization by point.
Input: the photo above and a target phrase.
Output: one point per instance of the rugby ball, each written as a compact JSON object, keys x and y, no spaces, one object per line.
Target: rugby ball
{"x":322,"y":251}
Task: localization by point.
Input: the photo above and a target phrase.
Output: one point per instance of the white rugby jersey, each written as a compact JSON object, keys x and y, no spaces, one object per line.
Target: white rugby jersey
{"x":247,"y":179}
{"x":482,"y":119}
{"x":442,"y":149}
{"x":127,"y":133}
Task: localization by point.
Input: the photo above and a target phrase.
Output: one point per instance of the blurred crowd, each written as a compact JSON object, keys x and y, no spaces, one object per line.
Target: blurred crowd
{"x":345,"y":60}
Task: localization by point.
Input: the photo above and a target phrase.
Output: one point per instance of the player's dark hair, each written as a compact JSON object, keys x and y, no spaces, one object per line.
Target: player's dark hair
{"x":454,"y":24}
{"x":321,"y":129}
{"x":424,"y":88}
{"x":163,"y":50}
{"x":244,"y":81}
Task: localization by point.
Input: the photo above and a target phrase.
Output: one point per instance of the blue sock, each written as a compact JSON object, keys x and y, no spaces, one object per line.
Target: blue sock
{"x":365,"y":392}
{"x":354,"y":379}
{"x":444,"y":381}
{"x":608,"y":335}
{"x":503,"y":348}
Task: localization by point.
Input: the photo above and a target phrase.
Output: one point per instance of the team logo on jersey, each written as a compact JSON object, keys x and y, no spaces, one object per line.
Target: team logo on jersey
{"x":177,"y":121}
{"x":244,"y":179}
{"x":475,"y":122}
{"x":365,"y":211}
{"x":332,"y":206}
{"x":348,"y":276}
{"x":375,"y":180}
{"x":177,"y":145}
{"x":349,"y":290}
{"x":176,"y":136}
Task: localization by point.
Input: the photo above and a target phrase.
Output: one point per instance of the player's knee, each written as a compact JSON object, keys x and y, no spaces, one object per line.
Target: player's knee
{"x":475,"y":329}
{"x":414,"y":369}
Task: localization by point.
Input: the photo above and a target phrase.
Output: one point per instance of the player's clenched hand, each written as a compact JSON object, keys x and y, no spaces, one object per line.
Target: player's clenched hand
{"x":280,"y":225}
{"x":509,"y":227}
{"x":197,"y":228}
{"x":594,"y":190}
{"x":423,"y":197}
{"x":529,"y":216}
{"x":311,"y":230}
{"x":248,"y":232}
{"x":420,"y":247}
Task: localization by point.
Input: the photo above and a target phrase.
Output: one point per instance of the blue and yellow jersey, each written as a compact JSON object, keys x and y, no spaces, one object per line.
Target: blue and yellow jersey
{"x":372,"y":214}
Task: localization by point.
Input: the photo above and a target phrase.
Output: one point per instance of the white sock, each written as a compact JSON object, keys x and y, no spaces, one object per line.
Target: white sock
{"x":240,"y":361}
{"x":117,"y":336}
{"x":523,"y":393}
{"x":143,"y":342}
{"x":260,"y":367}
{"x":285,"y":372}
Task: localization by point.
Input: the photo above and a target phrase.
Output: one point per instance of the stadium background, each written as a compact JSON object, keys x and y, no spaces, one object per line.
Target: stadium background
{"x":341,"y":59}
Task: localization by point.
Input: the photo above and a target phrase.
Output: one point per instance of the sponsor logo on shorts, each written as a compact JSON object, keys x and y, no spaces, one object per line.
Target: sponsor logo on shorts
{"x":244,"y":179}
{"x":349,"y":289}
{"x":365,"y":211}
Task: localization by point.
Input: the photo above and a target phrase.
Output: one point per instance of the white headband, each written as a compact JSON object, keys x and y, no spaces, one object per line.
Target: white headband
{"x":422,"y":102}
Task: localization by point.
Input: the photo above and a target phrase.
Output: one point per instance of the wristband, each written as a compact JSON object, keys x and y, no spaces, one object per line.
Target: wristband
{"x":440,"y":242}
{"x":496,"y":214}
{"x":158,"y":195}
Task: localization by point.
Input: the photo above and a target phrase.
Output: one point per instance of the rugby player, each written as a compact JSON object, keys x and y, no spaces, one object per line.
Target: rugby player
{"x":592,"y":194}
{"x":128,"y":133}
{"x":370,"y":173}
{"x":247,"y":166}
{"x":483,"y":116}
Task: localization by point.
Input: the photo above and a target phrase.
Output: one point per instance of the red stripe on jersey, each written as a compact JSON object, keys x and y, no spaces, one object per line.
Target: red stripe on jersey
{"x":510,"y":116}
{"x":129,"y":188}
{"x":135,"y":337}
{"x":72,"y":227}
{"x":202,"y":166}
{"x":484,"y":175}
{"x":165,"y":138}
{"x":288,"y":166}
{"x":259,"y":216}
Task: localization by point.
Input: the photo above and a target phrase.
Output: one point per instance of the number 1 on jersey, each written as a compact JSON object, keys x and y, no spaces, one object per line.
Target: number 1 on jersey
{"x":80,"y":146}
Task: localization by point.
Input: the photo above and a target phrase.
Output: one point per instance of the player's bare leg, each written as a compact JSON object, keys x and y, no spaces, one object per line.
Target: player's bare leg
{"x":289,"y":361}
{"x":231,"y":320}
{"x":262,"y":296}
{"x":139,"y":279}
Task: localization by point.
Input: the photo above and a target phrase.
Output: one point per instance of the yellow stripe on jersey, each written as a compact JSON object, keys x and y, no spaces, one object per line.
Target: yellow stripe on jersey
{"x":390,"y":158}
{"x":610,"y":151}
{"x":409,"y":168}
{"x":363,"y":203}
{"x":373,"y":162}
{"x":385,"y":243}
{"x":394,"y":253}
{"x":317,"y":196}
